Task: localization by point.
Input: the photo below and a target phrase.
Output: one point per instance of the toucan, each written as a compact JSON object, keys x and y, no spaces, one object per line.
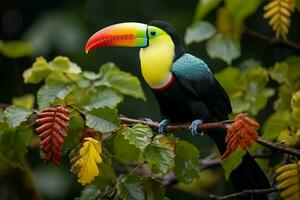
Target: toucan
{"x":183,"y":85}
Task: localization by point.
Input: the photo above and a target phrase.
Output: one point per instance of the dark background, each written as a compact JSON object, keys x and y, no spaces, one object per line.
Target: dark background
{"x":61,"y":27}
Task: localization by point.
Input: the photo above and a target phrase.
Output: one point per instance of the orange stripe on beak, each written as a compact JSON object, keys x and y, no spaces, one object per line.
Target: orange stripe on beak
{"x":128,"y":34}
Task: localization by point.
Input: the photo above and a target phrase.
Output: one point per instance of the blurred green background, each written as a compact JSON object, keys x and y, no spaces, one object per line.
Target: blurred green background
{"x":61,"y":27}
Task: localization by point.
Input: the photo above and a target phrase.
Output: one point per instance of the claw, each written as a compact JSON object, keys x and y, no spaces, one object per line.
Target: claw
{"x":162,"y":125}
{"x":194,"y":126}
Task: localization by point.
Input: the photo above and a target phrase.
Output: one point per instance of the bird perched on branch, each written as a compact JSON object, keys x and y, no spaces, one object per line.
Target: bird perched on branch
{"x":183,"y":84}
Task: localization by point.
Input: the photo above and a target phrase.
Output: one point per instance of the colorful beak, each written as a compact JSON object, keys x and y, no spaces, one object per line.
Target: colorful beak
{"x":128,"y":34}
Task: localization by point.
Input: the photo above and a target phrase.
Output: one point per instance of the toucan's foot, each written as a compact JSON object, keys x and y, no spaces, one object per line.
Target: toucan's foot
{"x":194,"y":126}
{"x":162,"y":125}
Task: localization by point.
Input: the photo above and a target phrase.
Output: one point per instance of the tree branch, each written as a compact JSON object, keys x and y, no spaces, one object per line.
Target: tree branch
{"x":175,"y":127}
{"x":201,"y":127}
{"x":209,"y":126}
{"x":272,"y":41}
{"x":244,"y":193}
{"x":278,"y":147}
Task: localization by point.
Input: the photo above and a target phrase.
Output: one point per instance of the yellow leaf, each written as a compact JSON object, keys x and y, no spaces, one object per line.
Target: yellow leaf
{"x":226,"y":24}
{"x":279,"y":14}
{"x":288,"y":178}
{"x":86,"y":165}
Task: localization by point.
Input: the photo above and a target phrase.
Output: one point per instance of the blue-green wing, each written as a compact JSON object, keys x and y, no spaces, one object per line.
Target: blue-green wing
{"x":194,"y":76}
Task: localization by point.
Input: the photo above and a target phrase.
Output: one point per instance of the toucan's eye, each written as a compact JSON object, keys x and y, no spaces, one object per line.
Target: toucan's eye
{"x":153,"y":33}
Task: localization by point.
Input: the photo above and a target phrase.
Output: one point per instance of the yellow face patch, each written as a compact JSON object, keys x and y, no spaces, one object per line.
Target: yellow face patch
{"x":157,"y":58}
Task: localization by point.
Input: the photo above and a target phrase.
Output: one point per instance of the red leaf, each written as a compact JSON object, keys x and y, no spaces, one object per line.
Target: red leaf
{"x":242,"y":132}
{"x":89,"y":132}
{"x":52,"y":131}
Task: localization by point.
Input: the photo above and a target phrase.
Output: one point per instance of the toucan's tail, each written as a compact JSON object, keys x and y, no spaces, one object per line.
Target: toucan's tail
{"x":248,"y":175}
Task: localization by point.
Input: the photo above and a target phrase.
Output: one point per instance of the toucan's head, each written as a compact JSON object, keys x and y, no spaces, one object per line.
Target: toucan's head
{"x":132,"y":34}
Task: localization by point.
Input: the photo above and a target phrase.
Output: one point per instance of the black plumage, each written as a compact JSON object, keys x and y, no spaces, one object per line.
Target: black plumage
{"x":196,"y":94}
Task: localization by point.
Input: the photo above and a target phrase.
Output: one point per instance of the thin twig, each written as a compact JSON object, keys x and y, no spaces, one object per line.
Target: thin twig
{"x":278,"y":147}
{"x":170,"y":179}
{"x":244,"y":193}
{"x":209,"y":126}
{"x":272,"y":41}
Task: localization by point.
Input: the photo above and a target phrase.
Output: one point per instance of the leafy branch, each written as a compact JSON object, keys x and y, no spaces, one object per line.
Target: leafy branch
{"x":202,"y":127}
{"x":209,"y":126}
{"x":93,"y":122}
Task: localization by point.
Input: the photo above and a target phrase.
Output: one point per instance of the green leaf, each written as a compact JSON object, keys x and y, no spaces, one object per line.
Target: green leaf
{"x":258,"y":75}
{"x":295,"y":120}
{"x":280,"y":73}
{"x":38,"y":72}
{"x":84,"y":83}
{"x":295,"y":105}
{"x":102,"y":97}
{"x":130,"y":188}
{"x":107,"y":175}
{"x":295,"y":102}
{"x":224,"y":47}
{"x":6,"y":165}
{"x":204,"y":7}
{"x":298,"y":5}
{"x":233,"y":161}
{"x":241,"y":9}
{"x":76,"y":124}
{"x":48,"y":93}
{"x":240,"y":105}
{"x":261,"y":99}
{"x":139,"y":135}
{"x":250,"y":63}
{"x":186,"y":161}
{"x":125,"y":152}
{"x":121,"y":81}
{"x":63,"y":64}
{"x":274,"y":124}
{"x":287,"y":137}
{"x":57,"y":78}
{"x":228,"y":78}
{"x":154,"y":189}
{"x":160,"y":153}
{"x":2,"y":120}
{"x":256,"y":91}
{"x":91,"y":75}
{"x":284,"y":98}
{"x":199,"y":32}
{"x":103,"y":119}
{"x":89,"y":192}
{"x":26,"y":101}
{"x":18,"y":140}
{"x":16,"y":115}
{"x":16,"y":49}
{"x":294,"y":70}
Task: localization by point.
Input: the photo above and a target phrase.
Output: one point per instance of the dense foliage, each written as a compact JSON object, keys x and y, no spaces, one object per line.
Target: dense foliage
{"x":77,"y":118}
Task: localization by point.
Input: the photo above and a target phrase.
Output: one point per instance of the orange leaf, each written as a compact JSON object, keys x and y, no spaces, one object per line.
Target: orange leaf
{"x":242,"y":132}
